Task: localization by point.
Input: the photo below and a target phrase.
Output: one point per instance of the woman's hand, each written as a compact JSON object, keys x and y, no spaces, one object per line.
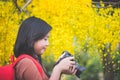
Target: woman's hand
{"x":72,"y":70}
{"x":67,"y":66}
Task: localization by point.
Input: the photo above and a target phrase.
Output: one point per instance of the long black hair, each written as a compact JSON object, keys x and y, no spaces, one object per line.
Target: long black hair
{"x":30,"y":30}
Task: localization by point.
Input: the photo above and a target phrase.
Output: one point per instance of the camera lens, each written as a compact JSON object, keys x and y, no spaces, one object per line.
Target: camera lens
{"x":79,"y":70}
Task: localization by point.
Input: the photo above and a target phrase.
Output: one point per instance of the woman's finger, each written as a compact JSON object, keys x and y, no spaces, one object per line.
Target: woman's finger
{"x":74,"y":70}
{"x":72,"y":62}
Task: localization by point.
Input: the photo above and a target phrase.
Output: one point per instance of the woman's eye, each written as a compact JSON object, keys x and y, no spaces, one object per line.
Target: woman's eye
{"x":45,"y":39}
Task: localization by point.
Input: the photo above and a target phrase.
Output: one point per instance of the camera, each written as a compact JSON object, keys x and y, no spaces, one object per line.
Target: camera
{"x":80,"y":69}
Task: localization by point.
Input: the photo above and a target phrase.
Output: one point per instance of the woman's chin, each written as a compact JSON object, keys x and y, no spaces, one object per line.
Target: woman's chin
{"x":42,"y":52}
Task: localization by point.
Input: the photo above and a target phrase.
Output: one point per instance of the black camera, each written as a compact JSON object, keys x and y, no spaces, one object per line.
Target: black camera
{"x":79,"y":68}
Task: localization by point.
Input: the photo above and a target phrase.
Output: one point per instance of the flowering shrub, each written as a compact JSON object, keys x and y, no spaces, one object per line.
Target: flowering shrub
{"x":74,"y":23}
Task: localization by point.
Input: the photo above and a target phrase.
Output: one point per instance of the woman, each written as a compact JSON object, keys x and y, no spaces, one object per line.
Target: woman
{"x":32,"y":40}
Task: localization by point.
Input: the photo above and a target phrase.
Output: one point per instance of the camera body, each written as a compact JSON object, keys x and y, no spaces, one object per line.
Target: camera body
{"x":79,"y":68}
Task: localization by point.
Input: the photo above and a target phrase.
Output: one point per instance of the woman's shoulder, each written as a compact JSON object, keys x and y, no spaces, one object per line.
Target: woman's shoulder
{"x":25,"y":62}
{"x":26,"y":67}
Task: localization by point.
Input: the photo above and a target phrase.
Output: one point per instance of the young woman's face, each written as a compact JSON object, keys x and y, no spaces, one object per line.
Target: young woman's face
{"x":41,"y":45}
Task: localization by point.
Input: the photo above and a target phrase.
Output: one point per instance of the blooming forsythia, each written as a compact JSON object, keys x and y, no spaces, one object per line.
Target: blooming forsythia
{"x":74,"y":23}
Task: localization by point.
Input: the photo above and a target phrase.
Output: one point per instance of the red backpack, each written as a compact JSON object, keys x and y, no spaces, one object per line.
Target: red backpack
{"x":8,"y":73}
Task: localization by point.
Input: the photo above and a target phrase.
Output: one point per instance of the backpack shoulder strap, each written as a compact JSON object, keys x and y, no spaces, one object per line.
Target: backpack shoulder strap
{"x":39,"y":67}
